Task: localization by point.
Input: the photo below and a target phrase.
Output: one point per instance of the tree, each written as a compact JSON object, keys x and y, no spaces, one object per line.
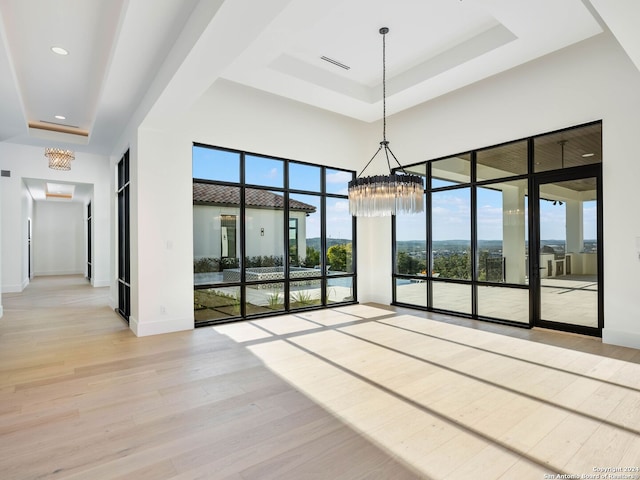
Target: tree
{"x":339,"y":258}
{"x":312,"y":258}
{"x":409,"y":265}
{"x":457,"y":265}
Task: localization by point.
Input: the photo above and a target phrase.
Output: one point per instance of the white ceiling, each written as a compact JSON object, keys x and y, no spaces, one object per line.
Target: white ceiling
{"x":135,"y":60}
{"x":59,"y":191}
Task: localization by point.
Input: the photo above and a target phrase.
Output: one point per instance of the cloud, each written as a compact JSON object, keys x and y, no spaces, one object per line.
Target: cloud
{"x":273,"y":173}
{"x":339,"y":206}
{"x":339,"y":177}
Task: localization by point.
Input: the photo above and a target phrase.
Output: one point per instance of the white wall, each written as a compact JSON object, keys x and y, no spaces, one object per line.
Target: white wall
{"x":206,"y":221}
{"x":161,"y":234}
{"x":59,"y":241}
{"x":28,"y":162}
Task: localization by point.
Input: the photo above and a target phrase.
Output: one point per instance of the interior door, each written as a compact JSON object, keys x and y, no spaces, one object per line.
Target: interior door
{"x":567,"y":254}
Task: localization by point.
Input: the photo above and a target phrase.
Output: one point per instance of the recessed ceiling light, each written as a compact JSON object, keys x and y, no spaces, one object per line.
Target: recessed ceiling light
{"x":59,"y":51}
{"x":585,"y":155}
{"x":61,"y":117}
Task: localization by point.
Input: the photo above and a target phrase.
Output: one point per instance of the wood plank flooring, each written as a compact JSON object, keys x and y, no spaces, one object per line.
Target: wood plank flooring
{"x":358,"y":392}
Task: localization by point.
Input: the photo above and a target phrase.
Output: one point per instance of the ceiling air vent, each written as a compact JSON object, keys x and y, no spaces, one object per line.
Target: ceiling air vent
{"x":6,"y":173}
{"x":335,"y":62}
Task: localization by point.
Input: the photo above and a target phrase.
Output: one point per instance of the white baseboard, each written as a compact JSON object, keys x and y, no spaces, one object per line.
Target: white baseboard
{"x":58,"y":273}
{"x":100,"y":283}
{"x":12,"y":288}
{"x":621,"y":338}
{"x":157,"y":327}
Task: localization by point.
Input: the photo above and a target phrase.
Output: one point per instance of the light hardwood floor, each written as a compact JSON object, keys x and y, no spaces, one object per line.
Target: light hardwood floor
{"x":358,"y":392}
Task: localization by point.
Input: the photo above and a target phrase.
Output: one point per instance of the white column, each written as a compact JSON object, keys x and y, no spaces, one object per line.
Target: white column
{"x":575,"y":240}
{"x":513,"y":232}
{"x":161,"y":233}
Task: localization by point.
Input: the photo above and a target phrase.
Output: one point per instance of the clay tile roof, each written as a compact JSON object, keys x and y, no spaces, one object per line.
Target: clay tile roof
{"x":206,"y":193}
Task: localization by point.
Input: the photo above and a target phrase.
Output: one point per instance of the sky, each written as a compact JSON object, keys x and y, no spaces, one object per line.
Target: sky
{"x":450,"y":209}
{"x":213,"y":164}
{"x":451,"y":212}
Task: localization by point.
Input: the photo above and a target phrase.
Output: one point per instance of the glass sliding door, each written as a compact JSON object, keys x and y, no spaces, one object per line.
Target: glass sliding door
{"x":511,"y":234}
{"x":568,"y":258}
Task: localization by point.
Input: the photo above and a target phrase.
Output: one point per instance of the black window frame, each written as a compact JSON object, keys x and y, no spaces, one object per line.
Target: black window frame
{"x":323,"y":275}
{"x":123,"y":193}
{"x":532,"y":176}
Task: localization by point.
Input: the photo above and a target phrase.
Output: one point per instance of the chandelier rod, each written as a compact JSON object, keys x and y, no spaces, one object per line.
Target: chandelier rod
{"x":384,"y":31}
{"x":384,"y":143}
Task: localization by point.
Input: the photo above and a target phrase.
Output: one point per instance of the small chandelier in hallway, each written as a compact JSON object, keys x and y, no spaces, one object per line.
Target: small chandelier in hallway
{"x":59,"y":159}
{"x":384,"y":195}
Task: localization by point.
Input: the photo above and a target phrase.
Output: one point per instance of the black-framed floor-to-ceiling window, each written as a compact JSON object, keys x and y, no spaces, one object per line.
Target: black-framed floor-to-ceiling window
{"x":511,"y":234}
{"x":270,"y":235}
{"x":124,"y":237}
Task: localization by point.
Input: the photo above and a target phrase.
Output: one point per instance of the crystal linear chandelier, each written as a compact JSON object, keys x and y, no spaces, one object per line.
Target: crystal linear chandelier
{"x":384,"y":195}
{"x":59,"y":159}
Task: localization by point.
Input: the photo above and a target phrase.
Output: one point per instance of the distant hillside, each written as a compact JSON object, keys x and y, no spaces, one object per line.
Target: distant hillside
{"x":452,"y":245}
{"x":315,"y":242}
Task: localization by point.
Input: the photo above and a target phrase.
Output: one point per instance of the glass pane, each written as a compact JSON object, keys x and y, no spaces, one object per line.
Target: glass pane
{"x":304,"y":177}
{"x":264,"y":298}
{"x":411,"y":292}
{"x":216,"y":234}
{"x":451,"y":171}
{"x":454,"y":297}
{"x":216,"y":303}
{"x":568,"y":252}
{"x":214,"y":164}
{"x":503,"y":161}
{"x":502,"y":232}
{"x":339,"y":236}
{"x":264,"y":235}
{"x":264,"y":171}
{"x":420,"y":169}
{"x":304,"y":235}
{"x":569,"y":148}
{"x":504,"y":303}
{"x":340,"y":290}
{"x":121,"y":180}
{"x":451,"y":221}
{"x":337,"y":181}
{"x":305,"y":294}
{"x":411,"y":244}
